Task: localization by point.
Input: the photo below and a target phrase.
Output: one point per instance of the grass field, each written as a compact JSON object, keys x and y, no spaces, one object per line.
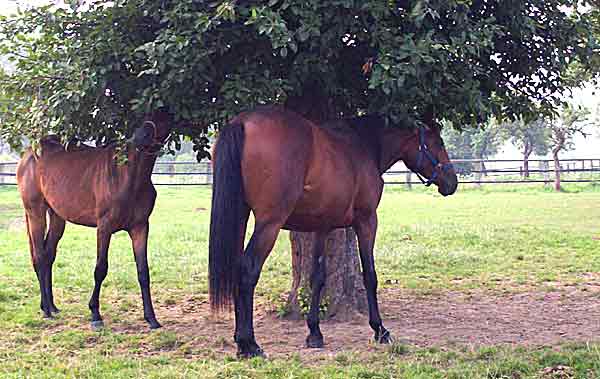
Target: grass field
{"x":495,"y":240}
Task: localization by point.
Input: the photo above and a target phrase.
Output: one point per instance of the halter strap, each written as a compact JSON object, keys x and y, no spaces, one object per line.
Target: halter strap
{"x":424,"y":152}
{"x":154,"y":143}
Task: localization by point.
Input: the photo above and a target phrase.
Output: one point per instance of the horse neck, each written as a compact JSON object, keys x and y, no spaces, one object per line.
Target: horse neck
{"x":393,"y":142}
{"x":141,"y":165}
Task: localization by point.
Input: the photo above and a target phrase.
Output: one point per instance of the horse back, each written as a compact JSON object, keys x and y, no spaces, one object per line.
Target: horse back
{"x":295,"y":169}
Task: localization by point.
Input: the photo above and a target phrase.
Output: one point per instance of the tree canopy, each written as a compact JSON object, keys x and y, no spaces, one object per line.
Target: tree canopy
{"x":90,"y":70}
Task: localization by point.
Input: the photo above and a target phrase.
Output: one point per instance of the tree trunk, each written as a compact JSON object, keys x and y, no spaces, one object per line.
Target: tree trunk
{"x":344,"y":292}
{"x":559,"y":139}
{"x":545,"y":168}
{"x":526,"y":153}
{"x":557,"y":185}
{"x":478,"y":172}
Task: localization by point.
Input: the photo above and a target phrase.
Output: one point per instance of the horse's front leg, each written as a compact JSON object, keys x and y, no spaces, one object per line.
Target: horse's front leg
{"x":250,"y":266}
{"x":366,"y":228}
{"x":139,"y":240}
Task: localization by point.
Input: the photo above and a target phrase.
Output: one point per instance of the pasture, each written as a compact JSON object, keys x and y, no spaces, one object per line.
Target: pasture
{"x":500,"y":282}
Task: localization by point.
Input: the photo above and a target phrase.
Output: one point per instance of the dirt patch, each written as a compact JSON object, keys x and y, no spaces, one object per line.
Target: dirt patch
{"x":450,"y":319}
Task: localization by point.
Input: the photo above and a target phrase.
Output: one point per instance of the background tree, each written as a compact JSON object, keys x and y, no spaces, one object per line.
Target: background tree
{"x":529,"y":137}
{"x":473,"y":143}
{"x":573,"y":120}
{"x":89,"y":71}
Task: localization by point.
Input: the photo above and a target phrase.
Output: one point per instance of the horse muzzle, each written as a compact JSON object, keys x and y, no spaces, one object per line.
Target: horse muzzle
{"x":447,"y":184}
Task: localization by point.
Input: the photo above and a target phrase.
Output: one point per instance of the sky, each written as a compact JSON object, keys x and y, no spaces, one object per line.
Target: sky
{"x":585,"y":147}
{"x":8,"y":7}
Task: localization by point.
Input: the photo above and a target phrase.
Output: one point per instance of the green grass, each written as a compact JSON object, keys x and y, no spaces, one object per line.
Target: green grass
{"x":502,"y":238}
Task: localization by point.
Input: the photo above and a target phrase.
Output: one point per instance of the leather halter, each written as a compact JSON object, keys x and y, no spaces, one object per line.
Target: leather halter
{"x":154,"y":148}
{"x":424,"y":152}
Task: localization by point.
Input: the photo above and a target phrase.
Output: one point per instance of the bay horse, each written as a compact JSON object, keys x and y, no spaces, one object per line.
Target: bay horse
{"x":86,"y":186}
{"x":295,"y":175}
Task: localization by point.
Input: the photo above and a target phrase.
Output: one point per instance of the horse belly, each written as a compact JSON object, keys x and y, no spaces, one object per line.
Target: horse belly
{"x":78,"y":211}
{"x":71,"y":198}
{"x":318,"y":211}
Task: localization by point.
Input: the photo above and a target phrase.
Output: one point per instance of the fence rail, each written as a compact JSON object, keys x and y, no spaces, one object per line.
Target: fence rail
{"x":470,"y":171}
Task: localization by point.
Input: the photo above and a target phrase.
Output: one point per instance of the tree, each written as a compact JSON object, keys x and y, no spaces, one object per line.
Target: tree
{"x":88,"y":71}
{"x":530,"y":137}
{"x":473,"y":143}
{"x":572,"y":121}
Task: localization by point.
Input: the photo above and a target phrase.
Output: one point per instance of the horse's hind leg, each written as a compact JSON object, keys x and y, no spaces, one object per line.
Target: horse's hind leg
{"x":139,"y":239}
{"x":56,"y":228}
{"x":103,"y":241}
{"x":36,"y":229}
{"x":251,"y":262}
{"x":365,"y":230}
{"x":317,"y":281}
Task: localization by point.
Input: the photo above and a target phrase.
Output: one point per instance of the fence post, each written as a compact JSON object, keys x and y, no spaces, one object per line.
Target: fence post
{"x":408,"y":180}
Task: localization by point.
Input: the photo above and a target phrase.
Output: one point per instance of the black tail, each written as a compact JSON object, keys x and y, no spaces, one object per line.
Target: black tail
{"x":226,"y":217}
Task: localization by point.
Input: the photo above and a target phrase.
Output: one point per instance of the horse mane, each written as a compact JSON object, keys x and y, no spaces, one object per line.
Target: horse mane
{"x":367,"y":129}
{"x":52,"y":143}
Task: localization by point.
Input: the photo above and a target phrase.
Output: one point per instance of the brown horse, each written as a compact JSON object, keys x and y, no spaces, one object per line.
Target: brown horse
{"x":85,"y":186}
{"x":297,"y":176}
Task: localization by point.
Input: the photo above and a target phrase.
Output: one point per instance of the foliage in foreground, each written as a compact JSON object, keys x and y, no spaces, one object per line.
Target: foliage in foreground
{"x":88,"y":70}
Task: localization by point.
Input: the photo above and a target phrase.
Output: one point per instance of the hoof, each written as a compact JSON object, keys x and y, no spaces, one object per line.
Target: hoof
{"x":314,"y":342}
{"x":385,"y":338}
{"x":48,"y":315}
{"x":154,"y":324}
{"x":97,"y":325}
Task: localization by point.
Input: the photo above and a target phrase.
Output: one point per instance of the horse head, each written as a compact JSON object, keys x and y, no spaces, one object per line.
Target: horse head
{"x":153,"y":132}
{"x":429,"y":159}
